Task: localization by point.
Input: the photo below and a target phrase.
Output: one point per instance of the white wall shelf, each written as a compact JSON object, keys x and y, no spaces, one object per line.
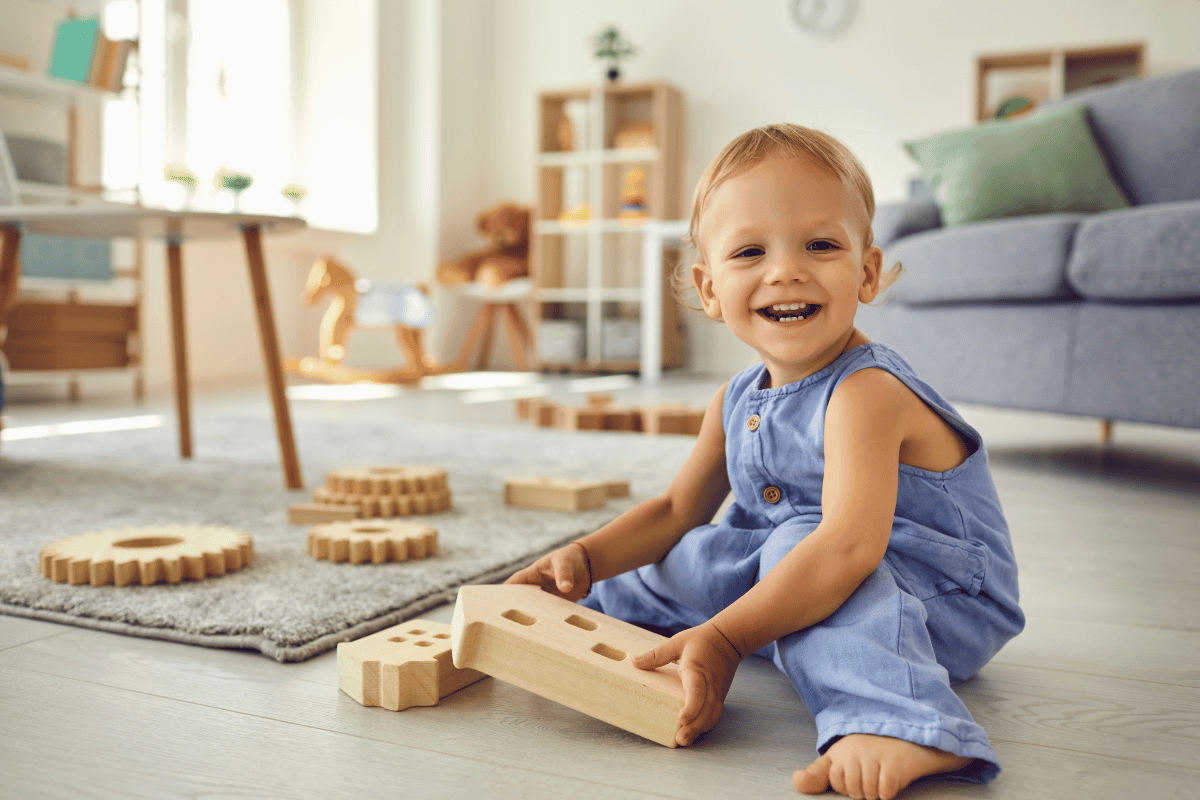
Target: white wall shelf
{"x":591,"y":222}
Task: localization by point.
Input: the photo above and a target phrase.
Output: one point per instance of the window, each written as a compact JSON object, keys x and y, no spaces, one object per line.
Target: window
{"x":283,"y":90}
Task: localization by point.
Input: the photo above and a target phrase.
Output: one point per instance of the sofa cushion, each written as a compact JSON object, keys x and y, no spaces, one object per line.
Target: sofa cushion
{"x":897,"y":220}
{"x":1149,"y":130}
{"x":1041,"y":164}
{"x":1010,"y":259}
{"x":1142,"y":253}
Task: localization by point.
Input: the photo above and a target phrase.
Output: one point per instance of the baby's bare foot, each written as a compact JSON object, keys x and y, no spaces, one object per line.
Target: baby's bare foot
{"x":874,"y":767}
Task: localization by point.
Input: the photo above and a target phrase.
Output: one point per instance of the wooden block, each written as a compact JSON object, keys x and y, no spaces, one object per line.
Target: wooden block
{"x":616,"y":488}
{"x":147,"y":555}
{"x":576,"y":418}
{"x":672,"y":418}
{"x":403,"y":666}
{"x":556,"y":494}
{"x":372,"y":541}
{"x":545,"y":414}
{"x":317,"y":513}
{"x":622,"y":419}
{"x":568,"y":654}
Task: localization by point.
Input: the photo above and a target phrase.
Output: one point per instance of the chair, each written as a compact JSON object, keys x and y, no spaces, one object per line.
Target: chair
{"x":504,"y":300}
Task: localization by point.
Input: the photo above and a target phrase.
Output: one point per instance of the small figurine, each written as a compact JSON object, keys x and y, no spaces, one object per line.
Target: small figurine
{"x":633,"y":196}
{"x":612,"y":47}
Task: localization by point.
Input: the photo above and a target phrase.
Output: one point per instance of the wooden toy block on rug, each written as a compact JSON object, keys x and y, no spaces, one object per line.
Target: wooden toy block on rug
{"x":372,"y":541}
{"x":555,"y":494}
{"x":318,"y":513}
{"x":148,"y":555}
{"x":403,"y":666}
{"x":569,"y":654}
{"x":387,"y":491}
{"x":672,"y":418}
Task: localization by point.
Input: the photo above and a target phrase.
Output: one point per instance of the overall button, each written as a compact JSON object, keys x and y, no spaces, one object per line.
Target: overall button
{"x":772,"y":494}
{"x":753,"y":422}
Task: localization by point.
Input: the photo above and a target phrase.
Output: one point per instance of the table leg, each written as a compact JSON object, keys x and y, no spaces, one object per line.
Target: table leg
{"x":274,"y":364}
{"x":10,"y":268}
{"x":183,"y":404}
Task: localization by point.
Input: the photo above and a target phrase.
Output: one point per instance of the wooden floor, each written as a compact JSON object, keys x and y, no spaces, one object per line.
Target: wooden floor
{"x":1099,"y":698}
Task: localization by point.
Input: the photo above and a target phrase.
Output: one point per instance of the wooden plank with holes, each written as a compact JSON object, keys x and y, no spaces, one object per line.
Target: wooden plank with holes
{"x":402,"y":666}
{"x":569,"y":654}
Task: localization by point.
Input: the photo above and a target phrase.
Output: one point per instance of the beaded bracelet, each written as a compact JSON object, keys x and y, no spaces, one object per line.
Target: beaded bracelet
{"x":587,"y":560}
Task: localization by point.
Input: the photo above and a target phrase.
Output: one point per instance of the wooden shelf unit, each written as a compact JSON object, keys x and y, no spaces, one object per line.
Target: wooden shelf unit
{"x":1048,"y":74}
{"x":70,"y":327}
{"x":588,"y":269}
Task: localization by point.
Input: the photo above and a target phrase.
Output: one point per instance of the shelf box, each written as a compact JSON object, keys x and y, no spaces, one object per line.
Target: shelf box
{"x":52,"y":336}
{"x":559,"y":341}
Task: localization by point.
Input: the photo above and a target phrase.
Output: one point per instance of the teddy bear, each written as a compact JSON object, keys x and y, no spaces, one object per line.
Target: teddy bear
{"x":506,"y":228}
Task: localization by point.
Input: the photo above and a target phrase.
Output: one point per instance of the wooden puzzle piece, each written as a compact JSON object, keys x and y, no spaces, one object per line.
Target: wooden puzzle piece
{"x":372,"y":541}
{"x":147,"y":555}
{"x":318,"y":513}
{"x":555,"y":494}
{"x":569,"y":654}
{"x":403,"y":666}
{"x":386,"y":491}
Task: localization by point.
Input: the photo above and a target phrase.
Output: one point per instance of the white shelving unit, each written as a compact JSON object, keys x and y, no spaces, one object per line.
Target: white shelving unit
{"x":50,"y":95}
{"x":587,"y":267}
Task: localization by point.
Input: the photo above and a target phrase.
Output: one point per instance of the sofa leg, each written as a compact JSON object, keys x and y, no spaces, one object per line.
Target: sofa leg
{"x":1106,"y":432}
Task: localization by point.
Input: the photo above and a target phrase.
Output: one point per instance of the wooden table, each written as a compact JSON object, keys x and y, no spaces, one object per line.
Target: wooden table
{"x":174,"y":227}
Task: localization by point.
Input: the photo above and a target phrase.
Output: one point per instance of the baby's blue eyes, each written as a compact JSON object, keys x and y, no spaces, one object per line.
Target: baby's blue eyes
{"x":818,"y":246}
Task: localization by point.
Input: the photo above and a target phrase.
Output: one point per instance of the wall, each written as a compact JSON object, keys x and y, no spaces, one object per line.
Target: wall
{"x":457,"y":86}
{"x":901,"y":70}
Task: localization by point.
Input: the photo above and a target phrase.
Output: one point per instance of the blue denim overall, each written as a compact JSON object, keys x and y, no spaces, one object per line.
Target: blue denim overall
{"x":939,"y":606}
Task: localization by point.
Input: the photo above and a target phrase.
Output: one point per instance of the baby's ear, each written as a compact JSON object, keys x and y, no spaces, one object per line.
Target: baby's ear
{"x":704,"y":288}
{"x":868,"y":289}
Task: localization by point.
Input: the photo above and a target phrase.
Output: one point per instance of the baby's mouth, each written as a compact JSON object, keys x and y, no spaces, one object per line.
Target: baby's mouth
{"x":789,"y":312}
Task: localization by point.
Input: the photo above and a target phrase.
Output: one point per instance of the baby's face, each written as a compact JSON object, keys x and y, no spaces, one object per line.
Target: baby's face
{"x":783,"y":262}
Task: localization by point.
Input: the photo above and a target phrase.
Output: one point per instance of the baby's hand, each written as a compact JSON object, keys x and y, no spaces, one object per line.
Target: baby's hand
{"x":563,"y":572}
{"x":707,"y":663}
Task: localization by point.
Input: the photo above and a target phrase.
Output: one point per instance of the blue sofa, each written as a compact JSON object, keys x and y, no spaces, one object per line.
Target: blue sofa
{"x":1094,"y":314}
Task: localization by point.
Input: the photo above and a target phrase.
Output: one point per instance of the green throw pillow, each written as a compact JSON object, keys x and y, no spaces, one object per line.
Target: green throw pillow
{"x":1040,"y":164}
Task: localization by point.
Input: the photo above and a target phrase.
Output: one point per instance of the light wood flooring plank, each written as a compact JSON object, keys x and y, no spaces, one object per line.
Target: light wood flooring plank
{"x":1152,"y":722}
{"x":503,"y":724}
{"x":1154,"y":655}
{"x":16,"y":631}
{"x":127,"y":744}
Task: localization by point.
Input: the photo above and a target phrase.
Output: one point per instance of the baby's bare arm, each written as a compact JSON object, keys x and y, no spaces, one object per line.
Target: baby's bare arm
{"x":644,"y":533}
{"x":868,"y":418}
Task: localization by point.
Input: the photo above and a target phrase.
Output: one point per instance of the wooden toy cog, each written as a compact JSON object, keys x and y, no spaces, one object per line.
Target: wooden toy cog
{"x":387,"y":491}
{"x":372,"y":541}
{"x":148,"y":555}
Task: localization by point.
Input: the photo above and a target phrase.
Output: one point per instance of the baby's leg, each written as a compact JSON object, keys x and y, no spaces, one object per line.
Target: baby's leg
{"x":883,"y":705}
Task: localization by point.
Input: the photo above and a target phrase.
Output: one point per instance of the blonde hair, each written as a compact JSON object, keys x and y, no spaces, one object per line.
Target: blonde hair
{"x":790,"y":140}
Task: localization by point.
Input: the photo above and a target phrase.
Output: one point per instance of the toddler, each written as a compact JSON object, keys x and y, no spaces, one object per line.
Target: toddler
{"x":866,"y":552}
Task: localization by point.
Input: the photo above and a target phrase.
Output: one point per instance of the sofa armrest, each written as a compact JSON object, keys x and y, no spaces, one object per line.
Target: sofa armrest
{"x":896,"y":220}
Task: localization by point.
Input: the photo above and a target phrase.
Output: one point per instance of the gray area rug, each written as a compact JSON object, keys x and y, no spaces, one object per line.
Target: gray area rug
{"x":286,"y":604}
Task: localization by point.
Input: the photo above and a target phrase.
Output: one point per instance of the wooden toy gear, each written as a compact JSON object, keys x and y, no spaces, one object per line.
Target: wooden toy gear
{"x":147,"y":555}
{"x":387,"y":491}
{"x":372,"y":541}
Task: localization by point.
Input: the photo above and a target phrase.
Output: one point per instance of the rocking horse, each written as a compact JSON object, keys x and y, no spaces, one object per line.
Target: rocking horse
{"x":358,"y":303}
